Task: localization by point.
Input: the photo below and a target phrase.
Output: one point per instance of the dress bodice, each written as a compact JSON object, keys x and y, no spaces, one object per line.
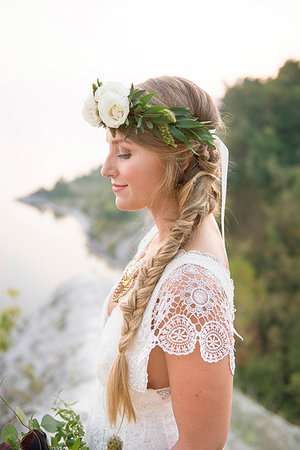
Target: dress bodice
{"x":192,"y":302}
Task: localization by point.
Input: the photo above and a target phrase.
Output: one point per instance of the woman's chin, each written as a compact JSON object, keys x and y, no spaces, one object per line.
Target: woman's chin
{"x":127,"y":206}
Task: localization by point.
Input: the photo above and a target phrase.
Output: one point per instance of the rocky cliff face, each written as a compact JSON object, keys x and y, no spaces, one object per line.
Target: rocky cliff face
{"x":57,"y":348}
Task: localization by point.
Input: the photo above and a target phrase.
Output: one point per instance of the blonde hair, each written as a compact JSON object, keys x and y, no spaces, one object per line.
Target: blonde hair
{"x":197,"y":191}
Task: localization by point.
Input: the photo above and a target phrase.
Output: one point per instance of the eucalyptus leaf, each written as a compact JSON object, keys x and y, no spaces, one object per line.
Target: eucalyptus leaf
{"x":139,"y":123}
{"x":50,"y":424}
{"x":127,"y":132}
{"x":147,"y":98}
{"x":180,"y":110}
{"x":149,"y":124}
{"x":207,"y":121}
{"x":157,"y":133}
{"x":188,"y":124}
{"x":159,"y":119}
{"x":8,"y":432}
{"x":137,"y":94}
{"x":188,"y":119}
{"x":138,"y":109}
{"x":192,"y":134}
{"x":180,"y":136}
{"x":211,"y":145}
{"x":154,"y":109}
{"x":151,"y":115}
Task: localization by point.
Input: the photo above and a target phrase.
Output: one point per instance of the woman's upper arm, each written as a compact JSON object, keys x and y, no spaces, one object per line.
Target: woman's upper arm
{"x":201,"y":400}
{"x":193,"y":324}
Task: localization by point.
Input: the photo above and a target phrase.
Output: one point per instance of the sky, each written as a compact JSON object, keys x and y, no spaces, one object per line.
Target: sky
{"x":53,"y":50}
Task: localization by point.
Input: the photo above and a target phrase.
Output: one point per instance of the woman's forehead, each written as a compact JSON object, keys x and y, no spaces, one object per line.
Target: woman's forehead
{"x":119,"y":138}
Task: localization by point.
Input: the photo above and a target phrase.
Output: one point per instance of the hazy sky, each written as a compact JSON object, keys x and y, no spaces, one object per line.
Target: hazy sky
{"x":53,"y":50}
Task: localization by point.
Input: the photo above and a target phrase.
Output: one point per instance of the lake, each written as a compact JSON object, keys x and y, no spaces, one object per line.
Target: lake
{"x":39,"y":251}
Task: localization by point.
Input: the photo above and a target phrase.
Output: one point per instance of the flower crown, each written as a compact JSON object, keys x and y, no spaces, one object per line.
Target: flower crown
{"x":114,"y":106}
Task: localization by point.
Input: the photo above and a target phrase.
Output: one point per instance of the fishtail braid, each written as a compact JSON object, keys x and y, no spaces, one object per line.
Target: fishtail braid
{"x":197,"y":196}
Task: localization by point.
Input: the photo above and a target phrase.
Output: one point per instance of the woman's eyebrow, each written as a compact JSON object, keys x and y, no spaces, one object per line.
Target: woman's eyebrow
{"x":123,"y":141}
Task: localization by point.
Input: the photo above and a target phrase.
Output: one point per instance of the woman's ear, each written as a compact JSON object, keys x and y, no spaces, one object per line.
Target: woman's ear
{"x":186,"y":162}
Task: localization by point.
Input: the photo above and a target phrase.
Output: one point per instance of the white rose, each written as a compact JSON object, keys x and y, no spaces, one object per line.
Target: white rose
{"x":113,"y":109}
{"x":111,"y":87}
{"x":89,"y":111}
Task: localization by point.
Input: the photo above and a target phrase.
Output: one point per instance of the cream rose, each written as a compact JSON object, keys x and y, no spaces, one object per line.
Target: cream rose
{"x":111,"y":87}
{"x":113,"y":109}
{"x":90,"y":111}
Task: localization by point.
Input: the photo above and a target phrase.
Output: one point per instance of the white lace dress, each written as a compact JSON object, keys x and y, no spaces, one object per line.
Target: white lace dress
{"x":193,"y":301}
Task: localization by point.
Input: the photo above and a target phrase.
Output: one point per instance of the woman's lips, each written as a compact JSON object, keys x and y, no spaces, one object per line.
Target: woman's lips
{"x":117,"y":188}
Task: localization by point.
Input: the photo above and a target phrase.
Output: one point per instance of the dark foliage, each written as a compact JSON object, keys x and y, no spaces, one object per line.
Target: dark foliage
{"x":264,"y":193}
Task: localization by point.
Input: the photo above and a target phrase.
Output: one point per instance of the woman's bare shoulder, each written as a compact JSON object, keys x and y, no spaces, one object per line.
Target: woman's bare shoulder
{"x":207,"y":239}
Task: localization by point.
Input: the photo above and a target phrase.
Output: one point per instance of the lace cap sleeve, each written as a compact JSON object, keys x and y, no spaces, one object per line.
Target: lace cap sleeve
{"x":192,"y":306}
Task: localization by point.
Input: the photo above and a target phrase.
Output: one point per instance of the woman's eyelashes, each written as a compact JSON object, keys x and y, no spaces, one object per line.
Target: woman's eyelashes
{"x":126,"y":156}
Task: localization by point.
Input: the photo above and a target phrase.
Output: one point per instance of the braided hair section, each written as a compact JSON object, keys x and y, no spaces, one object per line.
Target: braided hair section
{"x":194,"y":181}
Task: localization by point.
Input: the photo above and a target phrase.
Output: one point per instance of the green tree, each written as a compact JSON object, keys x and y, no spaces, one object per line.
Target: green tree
{"x":264,"y":143}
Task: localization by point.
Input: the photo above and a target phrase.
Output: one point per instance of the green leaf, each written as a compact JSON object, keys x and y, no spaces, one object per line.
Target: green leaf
{"x":201,"y":137}
{"x":178,"y":111}
{"x":149,"y":124}
{"x":157,"y":133}
{"x":139,"y":123}
{"x":94,"y":88}
{"x":138,"y":109}
{"x":191,"y":119}
{"x":154,"y":109}
{"x":112,"y":131}
{"x":127,"y":132}
{"x":180,"y":136}
{"x":50,"y":424}
{"x":21,"y":415}
{"x":188,"y":124}
{"x":33,"y":424}
{"x":137,"y":94}
{"x":147,"y":98}
{"x":54,"y":441}
{"x":63,"y":416}
{"x":159,"y":119}
{"x":191,"y":134}
{"x":131,"y":89}
{"x":8,"y":432}
{"x":76,"y":445}
{"x":211,"y":144}
{"x":207,"y":121}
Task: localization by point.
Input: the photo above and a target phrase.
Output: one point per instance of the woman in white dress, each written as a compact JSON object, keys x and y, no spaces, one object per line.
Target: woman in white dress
{"x":166,"y":356}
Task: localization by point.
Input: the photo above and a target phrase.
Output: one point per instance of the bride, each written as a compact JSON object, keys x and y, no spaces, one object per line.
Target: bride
{"x":166,"y":356}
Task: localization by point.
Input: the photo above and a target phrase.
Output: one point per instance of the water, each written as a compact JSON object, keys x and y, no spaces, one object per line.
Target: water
{"x":39,"y":251}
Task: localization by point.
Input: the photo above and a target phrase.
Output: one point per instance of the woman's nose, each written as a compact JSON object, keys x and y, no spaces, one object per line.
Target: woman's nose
{"x":107,"y":170}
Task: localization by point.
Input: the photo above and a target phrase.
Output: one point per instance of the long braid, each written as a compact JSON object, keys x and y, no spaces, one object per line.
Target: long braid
{"x":197,"y":196}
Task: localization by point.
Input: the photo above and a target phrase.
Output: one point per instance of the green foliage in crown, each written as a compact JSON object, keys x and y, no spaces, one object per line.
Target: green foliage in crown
{"x":114,"y":106}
